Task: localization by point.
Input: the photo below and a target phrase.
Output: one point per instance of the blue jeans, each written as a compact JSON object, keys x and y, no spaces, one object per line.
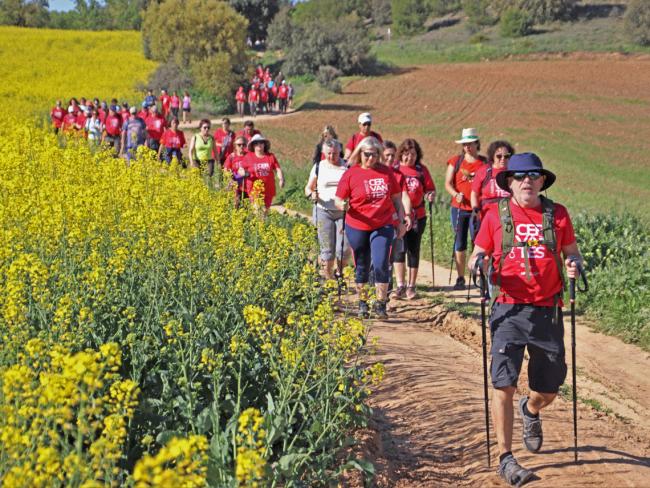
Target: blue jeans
{"x":371,"y":246}
{"x":460,"y":226}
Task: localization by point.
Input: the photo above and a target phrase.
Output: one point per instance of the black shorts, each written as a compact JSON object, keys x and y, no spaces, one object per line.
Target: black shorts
{"x":515,"y":327}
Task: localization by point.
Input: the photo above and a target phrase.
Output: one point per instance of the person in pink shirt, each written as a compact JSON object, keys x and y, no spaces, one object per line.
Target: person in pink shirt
{"x":175,"y":104}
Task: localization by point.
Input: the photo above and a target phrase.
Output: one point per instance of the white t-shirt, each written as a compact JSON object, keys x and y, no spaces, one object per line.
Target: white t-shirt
{"x":328,"y":179}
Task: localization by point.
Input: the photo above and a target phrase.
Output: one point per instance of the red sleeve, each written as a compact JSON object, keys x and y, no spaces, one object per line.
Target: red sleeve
{"x":395,"y":186}
{"x":350,"y":144}
{"x":565,"y":233}
{"x":429,"y":185}
{"x":163,"y":139}
{"x":274,"y":162}
{"x":485,"y":237}
{"x":182,"y":139}
{"x":477,"y":182}
{"x":343,"y":188}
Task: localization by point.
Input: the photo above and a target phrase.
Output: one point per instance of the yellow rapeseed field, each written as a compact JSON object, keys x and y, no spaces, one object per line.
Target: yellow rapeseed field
{"x":38,"y":66}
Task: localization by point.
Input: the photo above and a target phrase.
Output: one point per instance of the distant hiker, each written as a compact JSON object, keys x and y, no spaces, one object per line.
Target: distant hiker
{"x":156,"y":125}
{"x":253,"y":100}
{"x":283,"y":97}
{"x":264,"y":98}
{"x":134,"y":134}
{"x":124,"y":112}
{"x":261,"y":164}
{"x":420,"y":187}
{"x":233,"y":162}
{"x":175,"y":104}
{"x":149,"y":100}
{"x":371,"y":195}
{"x":365,"y":123}
{"x":165,"y":103}
{"x":390,"y":151}
{"x":223,"y":140}
{"x":171,"y":143}
{"x":240,"y":98}
{"x":328,"y":134}
{"x":248,"y":131}
{"x":458,"y":183}
{"x":68,"y":125}
{"x":187,"y":107}
{"x":290,"y":94}
{"x":321,"y":188}
{"x":93,"y":128}
{"x":112,"y":132}
{"x":485,"y":191}
{"x":201,"y":150}
{"x":273,"y":95}
{"x":525,"y":236}
{"x":56,"y":115}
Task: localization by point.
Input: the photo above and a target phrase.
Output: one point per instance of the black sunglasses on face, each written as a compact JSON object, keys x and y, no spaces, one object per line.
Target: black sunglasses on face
{"x":502,"y":156}
{"x":521,"y":176}
{"x":370,"y":154}
{"x":366,"y":124}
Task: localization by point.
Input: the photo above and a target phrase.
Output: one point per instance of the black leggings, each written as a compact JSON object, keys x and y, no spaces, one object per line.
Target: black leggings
{"x":412,"y":240}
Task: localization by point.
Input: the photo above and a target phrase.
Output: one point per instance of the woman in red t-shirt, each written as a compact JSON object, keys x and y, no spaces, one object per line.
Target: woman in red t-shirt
{"x":458,"y":183}
{"x":485,"y":191}
{"x":419,"y":186}
{"x":171,"y":143}
{"x":234,"y":161}
{"x":260,"y":164}
{"x":371,"y":196}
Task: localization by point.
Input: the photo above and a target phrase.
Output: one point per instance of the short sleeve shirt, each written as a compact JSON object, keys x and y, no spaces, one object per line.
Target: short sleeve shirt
{"x":487,"y":189}
{"x":173,"y":139}
{"x":261,"y":169}
{"x":417,"y":183}
{"x":463,"y":180}
{"x":354,"y":141}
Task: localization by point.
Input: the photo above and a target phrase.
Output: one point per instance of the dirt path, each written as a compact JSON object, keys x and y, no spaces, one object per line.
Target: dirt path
{"x":237,"y":120}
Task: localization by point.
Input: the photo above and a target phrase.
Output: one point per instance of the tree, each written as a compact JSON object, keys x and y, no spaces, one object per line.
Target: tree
{"x":24,"y":13}
{"x":207,"y":38}
{"x":409,"y":16}
{"x":515,"y":23}
{"x":259,"y":14}
{"x":540,"y":11}
{"x":637,"y":22}
{"x":125,"y":14}
{"x":478,"y":14}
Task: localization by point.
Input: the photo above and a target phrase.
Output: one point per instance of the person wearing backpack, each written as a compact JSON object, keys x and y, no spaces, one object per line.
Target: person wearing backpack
{"x":485,"y":191}
{"x":420,"y":187}
{"x":458,"y":183}
{"x":134,"y":134}
{"x":201,"y":150}
{"x":526,"y":237}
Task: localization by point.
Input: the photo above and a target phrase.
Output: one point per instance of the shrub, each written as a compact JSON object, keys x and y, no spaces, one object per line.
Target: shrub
{"x":515,"y":23}
{"x":328,"y":77}
{"x":540,"y":11}
{"x":478,"y":14}
{"x":409,"y":16}
{"x":381,"y":12}
{"x":443,"y":7}
{"x":171,"y":77}
{"x":637,"y":22}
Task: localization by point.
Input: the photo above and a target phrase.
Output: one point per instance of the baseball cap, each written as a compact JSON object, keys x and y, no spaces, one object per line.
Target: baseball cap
{"x":365,"y":118}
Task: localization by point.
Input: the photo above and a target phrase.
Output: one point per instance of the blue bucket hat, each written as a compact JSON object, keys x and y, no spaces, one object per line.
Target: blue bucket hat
{"x":523,"y":162}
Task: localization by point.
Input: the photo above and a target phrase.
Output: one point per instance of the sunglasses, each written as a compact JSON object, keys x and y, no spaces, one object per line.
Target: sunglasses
{"x":370,"y":154}
{"x":367,"y":124}
{"x":521,"y":176}
{"x":502,"y":156}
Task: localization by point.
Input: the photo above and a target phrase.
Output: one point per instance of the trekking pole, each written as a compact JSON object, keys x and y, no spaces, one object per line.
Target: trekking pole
{"x":572,"y":299}
{"x":433,"y":255}
{"x":340,"y":263}
{"x":317,"y":241}
{"x":478,"y":270}
{"x":453,"y":247}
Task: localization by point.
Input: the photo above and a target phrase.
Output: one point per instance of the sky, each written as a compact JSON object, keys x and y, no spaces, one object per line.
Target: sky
{"x":61,"y":5}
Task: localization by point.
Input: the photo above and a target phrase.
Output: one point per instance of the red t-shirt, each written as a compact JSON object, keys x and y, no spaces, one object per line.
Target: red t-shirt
{"x":57,"y":115}
{"x":155,"y":126}
{"x":463,"y":180}
{"x":358,"y":137}
{"x":283,"y":92}
{"x":240,"y":96}
{"x":261,"y":169}
{"x":233,"y":163}
{"x":545,"y":281}
{"x":173,"y":139}
{"x":489,"y":189}
{"x":124,"y":113}
{"x":101,"y":114}
{"x":113,"y":125}
{"x":165,"y":101}
{"x":369,"y":191}
{"x":415,"y":188}
{"x":264,"y":95}
{"x":144,"y":114}
{"x":244,"y":133}
{"x":253,"y":96}
{"x":225,"y":140}
{"x":69,"y":120}
{"x":81,"y":119}
{"x":274,"y":90}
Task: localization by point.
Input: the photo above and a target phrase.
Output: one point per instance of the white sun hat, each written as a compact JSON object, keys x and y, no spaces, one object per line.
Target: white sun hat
{"x":468,"y":135}
{"x":364,"y":118}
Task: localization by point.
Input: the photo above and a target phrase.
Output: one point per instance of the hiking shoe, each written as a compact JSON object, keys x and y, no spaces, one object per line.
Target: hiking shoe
{"x":533,"y":435}
{"x":460,"y":283}
{"x":398,"y":293}
{"x":364,"y":311}
{"x":513,"y":473}
{"x":379,"y":309}
{"x":410,"y":292}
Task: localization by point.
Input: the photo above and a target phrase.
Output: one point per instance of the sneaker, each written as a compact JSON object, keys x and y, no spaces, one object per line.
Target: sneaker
{"x":410,"y":292}
{"x":533,"y":436}
{"x":513,"y":473}
{"x":460,"y":283}
{"x":364,"y":311}
{"x":379,"y":309}
{"x":398,"y":293}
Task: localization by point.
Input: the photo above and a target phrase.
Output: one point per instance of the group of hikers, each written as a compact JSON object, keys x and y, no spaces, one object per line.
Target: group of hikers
{"x":371,"y":195}
{"x":370,"y":200}
{"x":265,"y":94}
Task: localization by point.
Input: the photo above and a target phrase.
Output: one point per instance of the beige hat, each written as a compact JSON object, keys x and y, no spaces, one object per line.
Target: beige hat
{"x":468,"y":135}
{"x":259,"y":138}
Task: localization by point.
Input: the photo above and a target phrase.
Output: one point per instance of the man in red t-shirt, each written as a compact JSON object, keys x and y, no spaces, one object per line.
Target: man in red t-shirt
{"x":112,"y":133}
{"x":223,"y":141}
{"x":57,"y":115}
{"x":165,"y":103}
{"x":156,"y":124}
{"x":253,"y":100}
{"x":283,"y":96}
{"x":365,"y":123}
{"x":240,"y":98}
{"x":248,"y":131}
{"x":528,"y":276}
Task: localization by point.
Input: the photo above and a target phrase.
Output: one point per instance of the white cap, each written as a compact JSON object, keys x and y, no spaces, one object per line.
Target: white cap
{"x":364,"y":118}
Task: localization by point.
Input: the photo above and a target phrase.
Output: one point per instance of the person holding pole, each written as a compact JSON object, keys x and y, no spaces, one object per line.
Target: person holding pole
{"x":525,"y":236}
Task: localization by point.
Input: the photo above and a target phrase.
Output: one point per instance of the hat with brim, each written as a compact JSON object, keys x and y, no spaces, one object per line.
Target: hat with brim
{"x":364,"y":118}
{"x":259,"y":138}
{"x":468,"y":135}
{"x":521,"y":163}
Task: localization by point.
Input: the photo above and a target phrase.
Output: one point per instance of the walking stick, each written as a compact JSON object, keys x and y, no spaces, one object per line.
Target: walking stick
{"x":433,"y":254}
{"x":453,"y":246}
{"x":478,"y":270}
{"x":340,"y":263}
{"x":572,"y":299}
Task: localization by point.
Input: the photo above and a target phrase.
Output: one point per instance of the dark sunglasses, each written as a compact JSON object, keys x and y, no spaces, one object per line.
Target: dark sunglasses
{"x":521,"y":176}
{"x":370,"y":154}
{"x":502,"y":156}
{"x":366,"y":124}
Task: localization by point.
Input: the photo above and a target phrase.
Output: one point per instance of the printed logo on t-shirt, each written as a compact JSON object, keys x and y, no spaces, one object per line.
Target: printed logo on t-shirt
{"x":412,"y":183}
{"x":532,"y":234}
{"x":263,"y":169}
{"x":376,"y":188}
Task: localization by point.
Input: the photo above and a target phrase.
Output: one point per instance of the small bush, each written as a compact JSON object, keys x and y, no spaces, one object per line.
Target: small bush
{"x":478,"y":13}
{"x":328,"y":77}
{"x":409,"y":16}
{"x":637,"y":22}
{"x":515,"y":23}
